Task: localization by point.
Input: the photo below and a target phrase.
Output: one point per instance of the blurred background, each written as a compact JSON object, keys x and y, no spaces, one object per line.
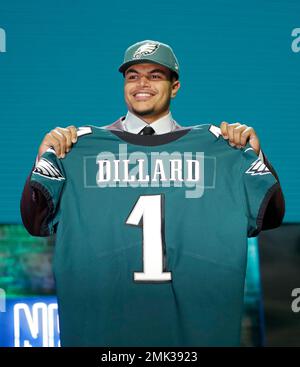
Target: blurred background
{"x":240,"y":62}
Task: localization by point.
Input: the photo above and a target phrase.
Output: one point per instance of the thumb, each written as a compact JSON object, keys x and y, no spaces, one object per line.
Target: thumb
{"x":42,"y":149}
{"x":254,"y":143}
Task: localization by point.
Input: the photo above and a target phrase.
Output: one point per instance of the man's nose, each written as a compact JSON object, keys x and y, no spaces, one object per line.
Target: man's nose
{"x":143,"y":80}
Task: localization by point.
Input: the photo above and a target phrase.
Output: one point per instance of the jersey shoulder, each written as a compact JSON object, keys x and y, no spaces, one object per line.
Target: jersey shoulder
{"x":84,"y":130}
{"x":93,"y":131}
{"x":212,"y":135}
{"x":207,"y":129}
{"x":209,"y":134}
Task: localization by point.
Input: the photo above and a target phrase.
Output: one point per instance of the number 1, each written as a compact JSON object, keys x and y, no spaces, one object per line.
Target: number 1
{"x":148,"y":213}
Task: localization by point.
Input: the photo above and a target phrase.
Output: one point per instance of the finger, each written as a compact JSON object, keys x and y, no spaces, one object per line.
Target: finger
{"x":67,"y":134}
{"x":230,"y":132}
{"x":62,"y":141}
{"x":237,"y":131}
{"x":254,"y":141}
{"x":223,"y":128}
{"x":73,"y":131}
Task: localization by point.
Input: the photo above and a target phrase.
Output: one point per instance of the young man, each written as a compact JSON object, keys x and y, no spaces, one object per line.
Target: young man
{"x":151,"y":218}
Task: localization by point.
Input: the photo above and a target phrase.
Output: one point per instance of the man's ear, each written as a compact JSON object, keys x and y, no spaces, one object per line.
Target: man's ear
{"x":175,"y":88}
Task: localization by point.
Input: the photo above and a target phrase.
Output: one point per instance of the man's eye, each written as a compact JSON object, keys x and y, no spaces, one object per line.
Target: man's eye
{"x":131,"y":77}
{"x":156,"y":76}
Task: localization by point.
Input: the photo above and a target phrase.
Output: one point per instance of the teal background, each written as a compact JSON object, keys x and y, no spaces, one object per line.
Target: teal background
{"x":61,"y":61}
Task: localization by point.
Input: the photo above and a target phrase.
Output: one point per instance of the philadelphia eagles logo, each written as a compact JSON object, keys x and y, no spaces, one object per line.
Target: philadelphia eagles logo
{"x":145,"y":50}
{"x":47,"y":169}
{"x":258,"y":168}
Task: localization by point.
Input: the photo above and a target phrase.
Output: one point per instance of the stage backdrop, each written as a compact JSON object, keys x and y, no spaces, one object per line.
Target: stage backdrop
{"x":240,"y":62}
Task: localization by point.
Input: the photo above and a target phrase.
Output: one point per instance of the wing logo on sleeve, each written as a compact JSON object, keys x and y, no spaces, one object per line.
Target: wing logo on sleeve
{"x":258,"y":168}
{"x":47,"y":169}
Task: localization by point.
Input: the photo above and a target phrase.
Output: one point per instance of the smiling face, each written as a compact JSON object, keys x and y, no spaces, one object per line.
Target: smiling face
{"x":148,"y":90}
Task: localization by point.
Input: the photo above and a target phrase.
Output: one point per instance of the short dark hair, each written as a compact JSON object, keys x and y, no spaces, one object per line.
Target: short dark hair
{"x":174,"y":75}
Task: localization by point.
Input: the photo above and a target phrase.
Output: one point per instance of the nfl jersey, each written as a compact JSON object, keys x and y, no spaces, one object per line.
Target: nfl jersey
{"x":151,"y":235}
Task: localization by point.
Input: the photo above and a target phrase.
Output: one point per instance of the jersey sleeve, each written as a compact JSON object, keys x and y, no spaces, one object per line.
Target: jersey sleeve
{"x":258,"y":186}
{"x":48,"y":177}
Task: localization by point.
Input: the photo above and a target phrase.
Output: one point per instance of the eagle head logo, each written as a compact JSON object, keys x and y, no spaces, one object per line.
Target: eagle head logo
{"x":146,"y":49}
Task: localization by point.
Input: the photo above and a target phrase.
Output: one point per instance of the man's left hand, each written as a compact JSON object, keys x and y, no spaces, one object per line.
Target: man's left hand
{"x":239,"y":134}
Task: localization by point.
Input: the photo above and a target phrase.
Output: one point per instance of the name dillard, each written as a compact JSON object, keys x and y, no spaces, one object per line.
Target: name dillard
{"x":155,"y":169}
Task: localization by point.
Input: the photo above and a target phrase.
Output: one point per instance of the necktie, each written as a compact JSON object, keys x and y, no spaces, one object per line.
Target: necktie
{"x":147,"y":130}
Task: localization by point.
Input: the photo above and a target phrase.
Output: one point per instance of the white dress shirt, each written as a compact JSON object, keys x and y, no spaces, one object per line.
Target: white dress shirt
{"x":134,"y":124}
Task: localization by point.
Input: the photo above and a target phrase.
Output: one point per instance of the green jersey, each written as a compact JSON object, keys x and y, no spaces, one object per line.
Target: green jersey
{"x":151,"y":235}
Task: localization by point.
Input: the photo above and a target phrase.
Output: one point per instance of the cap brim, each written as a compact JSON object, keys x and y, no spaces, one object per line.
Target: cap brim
{"x":126,"y":65}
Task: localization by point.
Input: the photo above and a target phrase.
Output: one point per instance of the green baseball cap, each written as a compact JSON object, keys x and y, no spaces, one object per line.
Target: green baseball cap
{"x":152,"y":52}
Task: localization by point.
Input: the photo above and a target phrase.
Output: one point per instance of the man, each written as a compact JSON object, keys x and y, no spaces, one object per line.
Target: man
{"x":151,"y":218}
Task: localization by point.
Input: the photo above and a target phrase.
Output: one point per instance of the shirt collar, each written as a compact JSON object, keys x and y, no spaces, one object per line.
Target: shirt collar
{"x":134,"y":124}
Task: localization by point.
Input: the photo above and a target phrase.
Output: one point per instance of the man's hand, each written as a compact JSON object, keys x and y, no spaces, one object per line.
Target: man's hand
{"x":61,"y":139}
{"x":238,"y":135}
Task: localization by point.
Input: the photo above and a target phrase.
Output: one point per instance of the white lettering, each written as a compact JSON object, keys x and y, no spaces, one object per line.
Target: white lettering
{"x":41,"y":321}
{"x":160,"y":169}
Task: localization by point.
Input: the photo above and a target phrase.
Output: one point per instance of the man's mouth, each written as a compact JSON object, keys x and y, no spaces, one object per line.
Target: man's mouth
{"x":142,"y":96}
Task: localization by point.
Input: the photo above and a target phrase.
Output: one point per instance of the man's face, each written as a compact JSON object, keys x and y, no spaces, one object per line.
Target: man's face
{"x":148,"y":90}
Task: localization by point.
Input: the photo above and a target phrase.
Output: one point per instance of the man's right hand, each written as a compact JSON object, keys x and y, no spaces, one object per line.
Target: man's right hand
{"x":60,"y":139}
